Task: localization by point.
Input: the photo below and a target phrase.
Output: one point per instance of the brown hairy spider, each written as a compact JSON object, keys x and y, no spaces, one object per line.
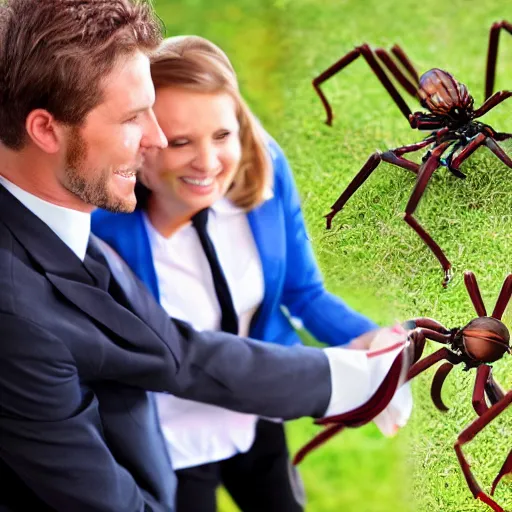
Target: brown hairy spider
{"x":482,"y":341}
{"x":454,"y":133}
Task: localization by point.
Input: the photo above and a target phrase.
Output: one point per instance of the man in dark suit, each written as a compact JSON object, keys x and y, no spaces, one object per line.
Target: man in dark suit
{"x":80,"y":338}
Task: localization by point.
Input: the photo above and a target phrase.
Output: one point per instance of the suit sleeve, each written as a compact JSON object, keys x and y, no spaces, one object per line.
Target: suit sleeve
{"x":323,"y":314}
{"x":252,"y":377}
{"x":219,"y":368}
{"x":50,"y":428}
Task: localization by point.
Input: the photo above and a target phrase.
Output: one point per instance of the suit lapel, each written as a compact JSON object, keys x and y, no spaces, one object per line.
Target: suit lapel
{"x":266,"y":229}
{"x":101,"y":307}
{"x":67,"y":273}
{"x":46,"y":249}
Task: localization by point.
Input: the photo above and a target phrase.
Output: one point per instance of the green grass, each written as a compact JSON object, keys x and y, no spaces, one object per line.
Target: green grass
{"x":372,"y":258}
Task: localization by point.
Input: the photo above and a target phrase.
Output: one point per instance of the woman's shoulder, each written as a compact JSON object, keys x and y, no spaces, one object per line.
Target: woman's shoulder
{"x":280,"y":166}
{"x":275,"y":151}
{"x":105,"y":223}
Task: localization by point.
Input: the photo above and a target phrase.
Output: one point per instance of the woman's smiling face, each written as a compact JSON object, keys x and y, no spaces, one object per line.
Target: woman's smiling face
{"x":204,"y":149}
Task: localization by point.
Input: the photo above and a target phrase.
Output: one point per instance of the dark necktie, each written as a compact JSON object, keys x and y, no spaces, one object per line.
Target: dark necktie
{"x":97,"y":266}
{"x":229,"y":320}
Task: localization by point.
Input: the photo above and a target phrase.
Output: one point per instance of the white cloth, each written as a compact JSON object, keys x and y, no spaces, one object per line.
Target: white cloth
{"x":357,"y":374}
{"x":199,"y":433}
{"x":71,"y":226}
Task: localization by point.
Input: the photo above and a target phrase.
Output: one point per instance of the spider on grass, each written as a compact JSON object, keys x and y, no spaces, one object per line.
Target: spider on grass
{"x":451,"y":120}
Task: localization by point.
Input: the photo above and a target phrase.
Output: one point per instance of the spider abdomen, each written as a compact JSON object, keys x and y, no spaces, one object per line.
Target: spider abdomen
{"x":440,"y":93}
{"x":486,"y":339}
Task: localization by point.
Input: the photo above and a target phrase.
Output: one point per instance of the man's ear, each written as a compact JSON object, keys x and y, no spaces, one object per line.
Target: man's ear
{"x":45,"y":131}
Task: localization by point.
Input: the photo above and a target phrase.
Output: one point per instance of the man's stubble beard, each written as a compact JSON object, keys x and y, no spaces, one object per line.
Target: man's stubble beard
{"x":89,"y":185}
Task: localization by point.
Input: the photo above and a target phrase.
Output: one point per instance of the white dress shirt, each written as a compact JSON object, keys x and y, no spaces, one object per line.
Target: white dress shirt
{"x":71,"y":226}
{"x":199,"y":433}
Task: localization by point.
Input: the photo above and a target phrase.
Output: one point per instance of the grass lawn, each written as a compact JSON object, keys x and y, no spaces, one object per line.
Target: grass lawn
{"x":371,"y":257}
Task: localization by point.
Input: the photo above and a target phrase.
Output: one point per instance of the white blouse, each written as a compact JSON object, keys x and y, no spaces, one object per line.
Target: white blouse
{"x":198,"y":433}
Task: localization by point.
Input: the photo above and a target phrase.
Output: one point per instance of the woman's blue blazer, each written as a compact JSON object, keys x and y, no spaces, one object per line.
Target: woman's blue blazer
{"x":292,"y":281}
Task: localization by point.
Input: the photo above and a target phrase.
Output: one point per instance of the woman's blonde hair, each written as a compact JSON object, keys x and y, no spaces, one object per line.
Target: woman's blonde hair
{"x":194,"y":63}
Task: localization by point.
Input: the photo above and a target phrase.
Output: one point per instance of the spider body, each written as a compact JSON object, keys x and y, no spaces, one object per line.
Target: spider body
{"x":483,"y":340}
{"x":450,"y":118}
{"x":444,"y":96}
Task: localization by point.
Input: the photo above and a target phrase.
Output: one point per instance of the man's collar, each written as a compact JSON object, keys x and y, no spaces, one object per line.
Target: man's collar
{"x":71,"y":226}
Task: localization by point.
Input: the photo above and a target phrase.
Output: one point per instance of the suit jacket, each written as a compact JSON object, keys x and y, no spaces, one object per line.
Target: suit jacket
{"x":291,"y":275}
{"x":77,"y":432}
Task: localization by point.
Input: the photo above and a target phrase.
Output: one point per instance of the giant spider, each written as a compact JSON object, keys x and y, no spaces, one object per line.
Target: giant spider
{"x":454,"y":133}
{"x":482,"y":341}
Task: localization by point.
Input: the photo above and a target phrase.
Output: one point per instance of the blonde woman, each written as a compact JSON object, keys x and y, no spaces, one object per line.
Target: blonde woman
{"x":220,"y":166}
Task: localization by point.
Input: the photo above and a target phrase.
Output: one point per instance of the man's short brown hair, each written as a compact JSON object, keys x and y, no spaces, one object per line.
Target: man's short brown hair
{"x":54,"y":54}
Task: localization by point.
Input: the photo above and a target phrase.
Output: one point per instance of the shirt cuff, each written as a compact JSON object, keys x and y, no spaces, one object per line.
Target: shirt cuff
{"x":356,"y":375}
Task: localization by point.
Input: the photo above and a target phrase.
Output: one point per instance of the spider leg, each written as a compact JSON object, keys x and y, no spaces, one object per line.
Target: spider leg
{"x":467,"y":435}
{"x":426,"y":171}
{"x":448,"y":162}
{"x":505,"y":470}
{"x":496,"y":149}
{"x":432,"y":359}
{"x":482,"y":376}
{"x":504,"y":298}
{"x":437,"y":384}
{"x":466,"y":152}
{"x":435,"y":335}
{"x":404,"y":81}
{"x":419,"y":335}
{"x":380,"y":399}
{"x":431,"y":324}
{"x":393,"y":156}
{"x":492,"y":54}
{"x":501,"y":136}
{"x":493,"y":390}
{"x":370,"y":165}
{"x":397,"y":51}
{"x":491,"y":102}
{"x":318,"y":440}
{"x":474,"y":293}
{"x":368,"y":55}
{"x":365,"y":412}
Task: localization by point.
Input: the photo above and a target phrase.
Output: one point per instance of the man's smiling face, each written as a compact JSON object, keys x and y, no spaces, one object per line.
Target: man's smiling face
{"x":104,"y":153}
